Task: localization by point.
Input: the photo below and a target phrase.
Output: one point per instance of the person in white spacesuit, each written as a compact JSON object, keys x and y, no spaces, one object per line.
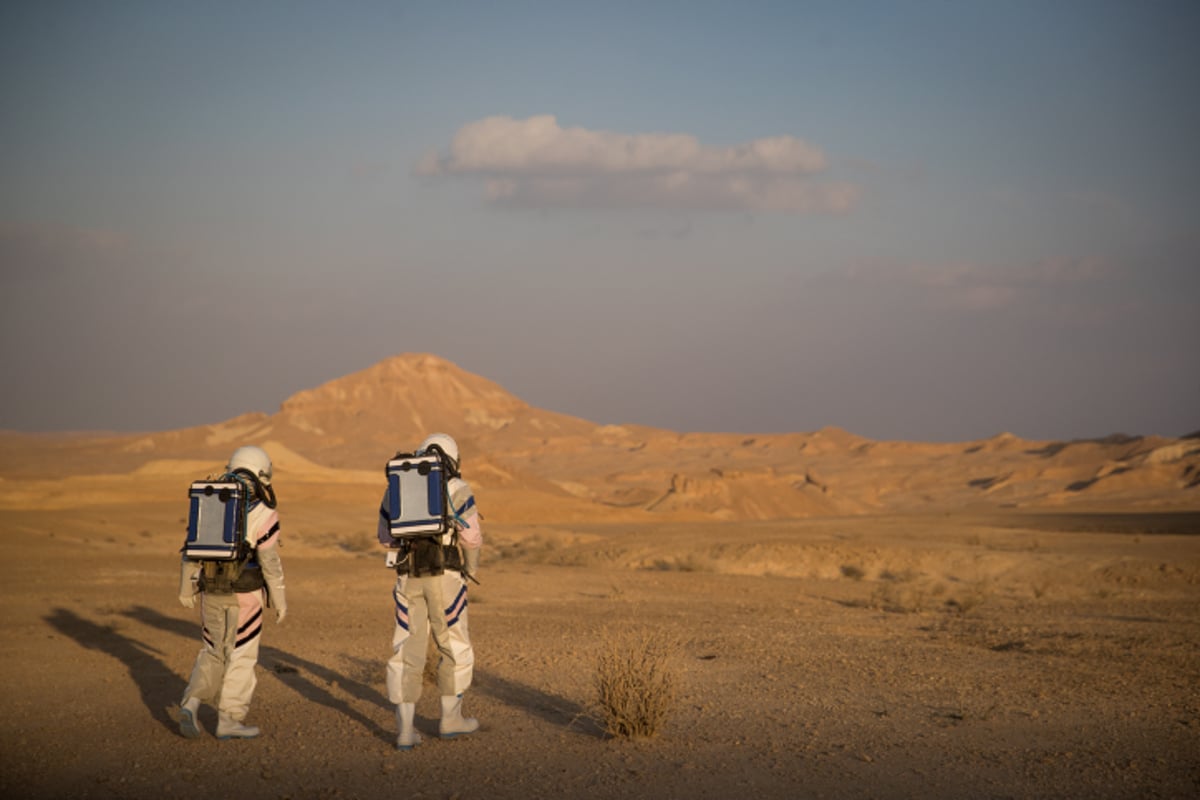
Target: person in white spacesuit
{"x":430,"y":595}
{"x":231,"y":603}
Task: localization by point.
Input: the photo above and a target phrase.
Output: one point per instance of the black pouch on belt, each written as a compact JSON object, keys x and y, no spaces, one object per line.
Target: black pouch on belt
{"x":452,"y":557}
{"x":427,"y":557}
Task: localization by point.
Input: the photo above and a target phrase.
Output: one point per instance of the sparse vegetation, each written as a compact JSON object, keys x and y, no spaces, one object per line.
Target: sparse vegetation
{"x":359,"y":544}
{"x":690,"y":562}
{"x":904,"y":576}
{"x":970,"y":598}
{"x":853,"y":571}
{"x":635,"y":686}
{"x":535,"y":549}
{"x":899,"y":599}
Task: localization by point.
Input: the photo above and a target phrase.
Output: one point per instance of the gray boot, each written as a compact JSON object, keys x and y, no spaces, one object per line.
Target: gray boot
{"x":230,"y":728}
{"x":453,"y":722}
{"x":188,"y":726}
{"x":408,"y":738}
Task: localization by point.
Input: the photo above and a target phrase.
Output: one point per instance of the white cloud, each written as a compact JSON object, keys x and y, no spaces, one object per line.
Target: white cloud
{"x":535,"y":162}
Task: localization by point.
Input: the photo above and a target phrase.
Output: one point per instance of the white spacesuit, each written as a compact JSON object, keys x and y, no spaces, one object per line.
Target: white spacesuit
{"x":232,"y":611}
{"x":434,"y":599}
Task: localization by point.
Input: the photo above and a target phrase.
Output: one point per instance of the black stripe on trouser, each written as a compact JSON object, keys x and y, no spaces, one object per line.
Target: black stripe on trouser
{"x":257,"y":616}
{"x":249,"y":636}
{"x":450,"y":621}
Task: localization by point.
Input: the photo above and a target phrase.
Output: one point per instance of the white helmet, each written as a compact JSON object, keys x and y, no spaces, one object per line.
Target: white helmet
{"x":253,"y":459}
{"x":444,"y":442}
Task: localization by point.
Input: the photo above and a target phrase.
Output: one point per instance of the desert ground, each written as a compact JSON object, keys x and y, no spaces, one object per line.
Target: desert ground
{"x":982,"y":657}
{"x":990,"y":619}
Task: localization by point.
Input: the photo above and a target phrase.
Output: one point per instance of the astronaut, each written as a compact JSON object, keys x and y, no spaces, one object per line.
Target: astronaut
{"x":430,"y":594}
{"x":231,"y":608}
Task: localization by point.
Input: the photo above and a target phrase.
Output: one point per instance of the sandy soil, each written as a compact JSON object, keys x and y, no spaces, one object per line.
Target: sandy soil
{"x":891,"y":656}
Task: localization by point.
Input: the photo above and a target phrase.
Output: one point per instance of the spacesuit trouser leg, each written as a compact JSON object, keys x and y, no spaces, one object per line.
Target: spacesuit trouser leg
{"x":436,"y":604}
{"x":453,"y":636}
{"x":208,"y":673}
{"x":405,"y":668}
{"x":242,"y":641}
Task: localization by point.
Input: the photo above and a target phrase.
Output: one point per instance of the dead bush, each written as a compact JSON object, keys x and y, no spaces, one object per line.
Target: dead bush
{"x":899,"y":599}
{"x":853,"y":571}
{"x":970,"y":597}
{"x":690,"y":562}
{"x":635,"y":687}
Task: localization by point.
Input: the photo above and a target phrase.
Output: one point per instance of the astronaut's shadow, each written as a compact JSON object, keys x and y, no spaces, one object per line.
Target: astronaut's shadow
{"x":307,"y":678}
{"x":158,"y":683}
{"x":552,"y":708}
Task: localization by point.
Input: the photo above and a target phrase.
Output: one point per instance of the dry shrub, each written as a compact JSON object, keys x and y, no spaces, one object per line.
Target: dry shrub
{"x":853,"y":571}
{"x":906,"y":575}
{"x":690,"y":562}
{"x":971,"y":597}
{"x":358,"y":544}
{"x":899,"y":599}
{"x":635,"y":687}
{"x":536,"y":549}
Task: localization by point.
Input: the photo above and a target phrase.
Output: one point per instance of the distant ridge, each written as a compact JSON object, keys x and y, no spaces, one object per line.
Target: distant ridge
{"x":537,"y":465}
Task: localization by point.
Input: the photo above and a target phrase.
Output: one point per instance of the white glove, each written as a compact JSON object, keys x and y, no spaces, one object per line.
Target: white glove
{"x":471,"y":556}
{"x":189,"y":571}
{"x":277,"y":599}
{"x":272,"y":569}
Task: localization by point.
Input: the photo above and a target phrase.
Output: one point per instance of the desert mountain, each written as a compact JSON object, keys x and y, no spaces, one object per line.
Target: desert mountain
{"x":532,"y":463}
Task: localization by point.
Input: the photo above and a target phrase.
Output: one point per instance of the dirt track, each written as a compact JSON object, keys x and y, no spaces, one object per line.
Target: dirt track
{"x":790,"y":686}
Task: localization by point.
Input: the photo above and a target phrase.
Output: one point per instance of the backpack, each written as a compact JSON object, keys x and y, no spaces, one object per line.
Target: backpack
{"x":418,"y":495}
{"x":218,"y":512}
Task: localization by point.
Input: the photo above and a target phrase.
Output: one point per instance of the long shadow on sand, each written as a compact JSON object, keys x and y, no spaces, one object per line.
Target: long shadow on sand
{"x":158,"y":683}
{"x":307,"y":678}
{"x":161,"y":687}
{"x":552,"y":708}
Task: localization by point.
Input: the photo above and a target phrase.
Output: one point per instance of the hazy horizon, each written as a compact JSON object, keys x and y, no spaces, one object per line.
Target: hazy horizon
{"x":934,"y":222}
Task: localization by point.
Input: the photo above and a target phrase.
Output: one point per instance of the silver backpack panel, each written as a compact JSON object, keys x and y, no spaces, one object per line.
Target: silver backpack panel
{"x":416,"y":499}
{"x":216,"y":520}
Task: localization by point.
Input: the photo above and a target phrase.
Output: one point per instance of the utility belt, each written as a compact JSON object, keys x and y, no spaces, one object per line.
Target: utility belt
{"x":227,"y":577}
{"x":427,"y":557}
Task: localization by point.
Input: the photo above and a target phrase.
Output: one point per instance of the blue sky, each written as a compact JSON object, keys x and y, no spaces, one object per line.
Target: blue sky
{"x":927,"y":220}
